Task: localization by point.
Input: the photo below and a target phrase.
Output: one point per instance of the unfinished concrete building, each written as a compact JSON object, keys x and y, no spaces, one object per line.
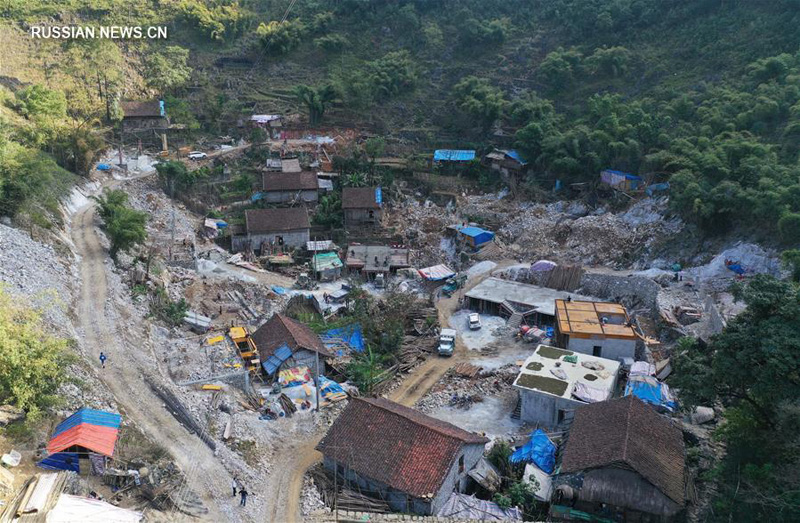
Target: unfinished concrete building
{"x":596,"y":328}
{"x":521,"y":301}
{"x":370,"y":260}
{"x":412,"y":461}
{"x":362,"y":207}
{"x":554,"y":382}
{"x":273,"y":230}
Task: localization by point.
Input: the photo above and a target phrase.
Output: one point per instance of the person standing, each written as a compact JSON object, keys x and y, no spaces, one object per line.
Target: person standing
{"x":234,"y":484}
{"x":103,"y":359}
{"x":243,"y":492}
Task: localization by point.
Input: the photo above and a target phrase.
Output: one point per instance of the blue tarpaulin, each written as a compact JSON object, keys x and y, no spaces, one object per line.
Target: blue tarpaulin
{"x":274,"y":362}
{"x":278,"y":290}
{"x":453,"y":155}
{"x":737,"y":268}
{"x":516,"y":156}
{"x":656,"y":187}
{"x":539,"y":450}
{"x":350,"y":334}
{"x":103,"y":167}
{"x":257,"y":196}
{"x":650,"y":390}
{"x":378,"y":196}
{"x":61,"y":461}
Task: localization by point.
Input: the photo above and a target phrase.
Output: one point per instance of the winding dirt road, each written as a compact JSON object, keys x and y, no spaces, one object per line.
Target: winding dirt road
{"x":127,"y":362}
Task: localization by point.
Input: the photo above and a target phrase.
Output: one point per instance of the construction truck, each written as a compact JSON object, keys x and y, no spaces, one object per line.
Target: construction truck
{"x":246,"y":348}
{"x":453,"y":284}
{"x":447,"y":342}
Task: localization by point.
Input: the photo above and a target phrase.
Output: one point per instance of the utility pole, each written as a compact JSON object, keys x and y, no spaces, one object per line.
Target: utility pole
{"x":316,"y":356}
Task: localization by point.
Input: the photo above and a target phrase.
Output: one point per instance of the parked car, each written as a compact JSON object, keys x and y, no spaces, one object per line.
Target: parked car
{"x":197,"y":155}
{"x":474,"y":321}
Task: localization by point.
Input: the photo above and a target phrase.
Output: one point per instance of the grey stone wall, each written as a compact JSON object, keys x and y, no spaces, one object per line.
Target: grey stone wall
{"x":631,"y":291}
{"x":612,"y":349}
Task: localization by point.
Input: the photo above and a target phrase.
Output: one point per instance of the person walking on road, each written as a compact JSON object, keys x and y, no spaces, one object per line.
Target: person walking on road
{"x":103,"y":360}
{"x":234,"y":484}
{"x":243,"y":493}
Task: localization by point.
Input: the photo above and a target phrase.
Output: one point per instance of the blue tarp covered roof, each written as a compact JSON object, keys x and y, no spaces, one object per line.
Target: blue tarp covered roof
{"x":274,"y":362}
{"x":91,"y":417}
{"x":350,"y":334}
{"x":61,"y":461}
{"x":539,"y":450}
{"x":513,"y":153}
{"x":453,"y":155}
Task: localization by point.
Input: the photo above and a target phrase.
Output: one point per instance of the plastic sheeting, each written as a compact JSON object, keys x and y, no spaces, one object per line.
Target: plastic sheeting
{"x":69,"y":509}
{"x":589,"y":394}
{"x":463,"y":507}
{"x":540,"y":480}
{"x":61,"y":461}
{"x":274,"y":362}
{"x":543,"y":266}
{"x":652,"y":391}
{"x":351,"y":335}
{"x":294,"y":376}
{"x":539,"y":450}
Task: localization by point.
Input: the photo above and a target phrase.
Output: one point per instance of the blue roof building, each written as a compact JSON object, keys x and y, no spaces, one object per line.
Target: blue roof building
{"x":453,"y":155}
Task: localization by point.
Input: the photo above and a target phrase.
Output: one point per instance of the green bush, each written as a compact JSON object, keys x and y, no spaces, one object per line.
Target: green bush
{"x":789,"y":228}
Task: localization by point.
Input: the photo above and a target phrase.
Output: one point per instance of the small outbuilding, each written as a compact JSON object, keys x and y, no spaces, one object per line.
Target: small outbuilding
{"x":596,"y":328}
{"x":326,"y":266}
{"x":553,"y":382}
{"x":83,"y":441}
{"x":472,"y":237}
{"x":273,"y":229}
{"x":620,"y":180}
{"x":506,"y":161}
{"x":411,"y":461}
{"x":622,"y":461}
{"x":362,"y":206}
{"x":292,"y":342}
{"x":143,"y":115}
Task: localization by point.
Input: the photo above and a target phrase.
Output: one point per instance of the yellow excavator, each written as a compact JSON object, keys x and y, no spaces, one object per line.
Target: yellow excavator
{"x":246,"y":347}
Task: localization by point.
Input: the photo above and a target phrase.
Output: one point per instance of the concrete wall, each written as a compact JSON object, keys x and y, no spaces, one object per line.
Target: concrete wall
{"x":297,"y":238}
{"x":310,"y":196}
{"x":361,"y":218}
{"x":612,"y":349}
{"x":472,"y":454}
{"x":542,"y":409}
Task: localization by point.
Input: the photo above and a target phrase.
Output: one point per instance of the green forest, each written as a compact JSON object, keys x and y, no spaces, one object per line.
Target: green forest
{"x":703,"y":94}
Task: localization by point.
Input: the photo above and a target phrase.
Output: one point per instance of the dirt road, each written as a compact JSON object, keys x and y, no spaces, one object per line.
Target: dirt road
{"x":126,"y":364}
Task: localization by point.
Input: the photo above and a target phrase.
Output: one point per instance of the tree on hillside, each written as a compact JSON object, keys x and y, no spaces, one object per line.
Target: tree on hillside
{"x":124,"y":226}
{"x":315,"y":99}
{"x":40,"y":103}
{"x":610,"y":61}
{"x":393,"y":74}
{"x":33,"y":362}
{"x":479,"y":99}
{"x":174,"y":176}
{"x":374,"y":148}
{"x":753,"y":369}
{"x":280,"y":37}
{"x":168,"y":70}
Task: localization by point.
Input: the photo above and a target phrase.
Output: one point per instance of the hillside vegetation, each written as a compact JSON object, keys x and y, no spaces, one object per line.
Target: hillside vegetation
{"x":704,"y":94}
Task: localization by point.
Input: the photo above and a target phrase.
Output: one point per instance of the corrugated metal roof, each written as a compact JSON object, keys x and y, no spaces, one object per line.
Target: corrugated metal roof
{"x":437,"y":272}
{"x":514,"y":154}
{"x":274,"y":362}
{"x":90,"y":416}
{"x":453,"y":155}
{"x":474,"y":232}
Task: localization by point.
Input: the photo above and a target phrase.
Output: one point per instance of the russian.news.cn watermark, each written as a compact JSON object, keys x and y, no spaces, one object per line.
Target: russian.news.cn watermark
{"x":109,"y":32}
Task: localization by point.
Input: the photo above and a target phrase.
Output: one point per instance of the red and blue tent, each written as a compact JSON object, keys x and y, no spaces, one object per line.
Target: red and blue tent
{"x":88,"y":431}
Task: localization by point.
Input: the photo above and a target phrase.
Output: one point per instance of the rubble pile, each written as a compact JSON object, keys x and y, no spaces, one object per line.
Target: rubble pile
{"x":453,"y":388}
